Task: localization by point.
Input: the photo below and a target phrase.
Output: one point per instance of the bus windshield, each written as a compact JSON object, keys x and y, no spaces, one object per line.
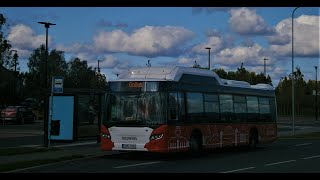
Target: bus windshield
{"x":145,"y":108}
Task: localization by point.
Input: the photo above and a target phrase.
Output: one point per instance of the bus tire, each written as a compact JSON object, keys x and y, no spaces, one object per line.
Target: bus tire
{"x":253,"y":140}
{"x":195,"y":143}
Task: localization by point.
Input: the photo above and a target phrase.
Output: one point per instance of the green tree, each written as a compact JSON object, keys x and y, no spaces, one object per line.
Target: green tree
{"x":221,"y":73}
{"x":284,"y":94}
{"x":5,"y":46}
{"x":80,"y":75}
{"x":35,"y":78}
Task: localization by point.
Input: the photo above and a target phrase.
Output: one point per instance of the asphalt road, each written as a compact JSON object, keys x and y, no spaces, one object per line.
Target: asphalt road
{"x":282,"y":156}
{"x":32,"y":134}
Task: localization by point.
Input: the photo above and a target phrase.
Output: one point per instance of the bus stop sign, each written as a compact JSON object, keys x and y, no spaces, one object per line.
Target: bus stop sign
{"x":57,"y":84}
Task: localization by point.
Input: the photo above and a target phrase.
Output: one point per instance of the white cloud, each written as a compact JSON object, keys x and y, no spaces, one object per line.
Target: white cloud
{"x":247,"y":22}
{"x":89,"y":57}
{"x":185,"y":60}
{"x":108,"y":61}
{"x":24,"y":38}
{"x":252,"y":55}
{"x":75,"y":48}
{"x":23,"y":53}
{"x":149,"y":41}
{"x":216,"y":43}
{"x":306,"y":37}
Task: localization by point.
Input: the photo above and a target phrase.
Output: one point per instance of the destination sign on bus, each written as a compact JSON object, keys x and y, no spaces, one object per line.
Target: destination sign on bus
{"x":135,"y":86}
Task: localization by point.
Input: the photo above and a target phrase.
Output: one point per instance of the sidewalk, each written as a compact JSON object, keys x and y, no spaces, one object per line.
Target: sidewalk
{"x":298,"y":120}
{"x":84,"y":149}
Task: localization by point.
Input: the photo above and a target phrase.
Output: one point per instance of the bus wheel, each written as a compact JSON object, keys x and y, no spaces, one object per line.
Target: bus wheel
{"x":195,"y":143}
{"x":253,"y":140}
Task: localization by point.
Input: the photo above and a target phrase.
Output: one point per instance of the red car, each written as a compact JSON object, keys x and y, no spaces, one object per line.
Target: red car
{"x":18,"y":115}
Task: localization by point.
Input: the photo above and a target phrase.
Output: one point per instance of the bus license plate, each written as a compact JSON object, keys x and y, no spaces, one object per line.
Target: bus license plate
{"x":128,"y":146}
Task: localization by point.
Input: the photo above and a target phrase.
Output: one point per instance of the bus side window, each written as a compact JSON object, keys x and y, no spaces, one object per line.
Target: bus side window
{"x":226,"y":107}
{"x":253,"y":108}
{"x":181,"y":107}
{"x":173,"y":106}
{"x":240,"y":108}
{"x":264,"y":109}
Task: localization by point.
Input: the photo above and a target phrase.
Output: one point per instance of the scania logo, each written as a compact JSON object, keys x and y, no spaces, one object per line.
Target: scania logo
{"x":129,"y":138}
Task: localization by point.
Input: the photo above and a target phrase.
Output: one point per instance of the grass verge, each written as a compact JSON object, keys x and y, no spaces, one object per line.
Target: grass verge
{"x":314,"y":135}
{"x":24,"y":150}
{"x":25,"y":164}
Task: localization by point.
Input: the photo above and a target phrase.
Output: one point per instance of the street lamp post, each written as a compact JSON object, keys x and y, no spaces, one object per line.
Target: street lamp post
{"x":265,"y":73}
{"x":316,"y":67}
{"x":45,"y":118}
{"x":209,"y":57}
{"x":292,"y":55}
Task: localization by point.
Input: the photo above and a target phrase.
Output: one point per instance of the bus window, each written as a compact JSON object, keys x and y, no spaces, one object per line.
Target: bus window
{"x":195,"y":107}
{"x":264,"y":109}
{"x":253,"y":108}
{"x":240,"y":108}
{"x":273,"y":110}
{"x":182,"y":107}
{"x":173,"y":104}
{"x":226,"y":107}
{"x":211,"y":107}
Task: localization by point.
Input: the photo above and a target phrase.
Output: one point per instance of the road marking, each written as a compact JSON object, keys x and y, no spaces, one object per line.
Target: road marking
{"x":281,"y":162}
{"x":140,"y":164}
{"x":238,"y":170}
{"x":304,"y":144}
{"x":311,"y":157}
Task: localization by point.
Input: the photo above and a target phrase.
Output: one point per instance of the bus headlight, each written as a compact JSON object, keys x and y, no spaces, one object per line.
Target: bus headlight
{"x":155,"y":136}
{"x":104,"y":135}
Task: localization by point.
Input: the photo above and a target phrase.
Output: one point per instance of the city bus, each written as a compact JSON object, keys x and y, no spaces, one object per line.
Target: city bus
{"x":175,"y":109}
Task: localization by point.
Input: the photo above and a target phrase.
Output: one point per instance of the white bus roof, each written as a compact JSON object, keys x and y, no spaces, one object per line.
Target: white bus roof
{"x":174,"y":73}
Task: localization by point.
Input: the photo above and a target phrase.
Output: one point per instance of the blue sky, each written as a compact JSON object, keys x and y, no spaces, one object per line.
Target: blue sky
{"x":124,"y":37}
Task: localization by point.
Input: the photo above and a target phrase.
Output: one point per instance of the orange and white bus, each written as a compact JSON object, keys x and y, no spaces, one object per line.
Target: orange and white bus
{"x":170,"y":109}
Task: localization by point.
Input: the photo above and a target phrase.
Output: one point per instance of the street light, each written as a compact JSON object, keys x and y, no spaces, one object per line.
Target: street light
{"x":316,"y":67}
{"x":45,"y":118}
{"x":292,"y":55}
{"x":209,"y":56}
{"x":265,"y":74}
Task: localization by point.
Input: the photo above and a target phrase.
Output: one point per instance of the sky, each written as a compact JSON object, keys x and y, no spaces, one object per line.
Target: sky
{"x":125,"y":37}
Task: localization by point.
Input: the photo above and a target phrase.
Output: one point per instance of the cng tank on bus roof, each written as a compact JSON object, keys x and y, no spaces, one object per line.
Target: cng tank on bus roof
{"x":167,"y":73}
{"x":174,"y":73}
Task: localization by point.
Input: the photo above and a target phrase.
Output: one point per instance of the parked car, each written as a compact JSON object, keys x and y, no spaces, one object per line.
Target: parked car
{"x":18,"y":115}
{"x":30,"y":103}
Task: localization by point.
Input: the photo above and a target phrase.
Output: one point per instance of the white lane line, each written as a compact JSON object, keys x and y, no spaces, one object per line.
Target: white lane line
{"x":304,"y":144}
{"x":281,"y":162}
{"x":140,"y":164}
{"x":235,"y":170}
{"x":311,"y":157}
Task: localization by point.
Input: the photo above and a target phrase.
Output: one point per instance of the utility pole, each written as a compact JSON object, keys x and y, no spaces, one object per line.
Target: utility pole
{"x":265,"y":74}
{"x":316,"y":67}
{"x":292,"y":79}
{"x":209,"y":57}
{"x":45,"y":117}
